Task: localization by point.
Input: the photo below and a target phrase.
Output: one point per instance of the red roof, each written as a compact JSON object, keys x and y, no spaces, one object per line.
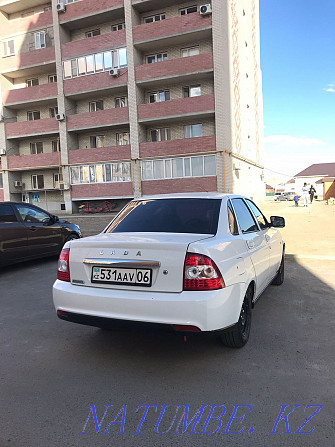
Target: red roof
{"x":318,"y":170}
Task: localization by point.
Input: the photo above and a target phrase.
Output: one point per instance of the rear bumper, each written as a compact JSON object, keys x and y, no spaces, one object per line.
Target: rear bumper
{"x":209,"y":311}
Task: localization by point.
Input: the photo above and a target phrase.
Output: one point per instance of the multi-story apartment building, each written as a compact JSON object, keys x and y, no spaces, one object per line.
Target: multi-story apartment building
{"x":114,"y":99}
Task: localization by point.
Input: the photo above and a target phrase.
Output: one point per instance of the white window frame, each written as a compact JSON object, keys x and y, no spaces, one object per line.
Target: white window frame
{"x":155,"y":18}
{"x":191,"y":130}
{"x":121,"y":101}
{"x":188,"y":88}
{"x":188,"y":170}
{"x":30,"y":82}
{"x":93,"y":32}
{"x":52,"y":78}
{"x":92,"y":105}
{"x":34,"y":181}
{"x":32,"y":114}
{"x":163,"y":56}
{"x":118,"y":26}
{"x":189,"y":50}
{"x":163,"y":134}
{"x":40,"y":41}
{"x":159,"y":96}
{"x":122,"y":138}
{"x":6,"y":47}
{"x":187,"y":10}
{"x":55,"y":143}
{"x":34,"y":149}
{"x":115,"y":172}
{"x":53,"y":111}
{"x":57,"y":179}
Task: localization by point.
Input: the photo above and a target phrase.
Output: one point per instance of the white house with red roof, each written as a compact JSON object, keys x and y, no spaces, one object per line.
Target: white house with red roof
{"x":321,"y":176}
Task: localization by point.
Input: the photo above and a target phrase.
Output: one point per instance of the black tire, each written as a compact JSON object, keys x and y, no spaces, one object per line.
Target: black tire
{"x":279,"y":278}
{"x":238,"y":335}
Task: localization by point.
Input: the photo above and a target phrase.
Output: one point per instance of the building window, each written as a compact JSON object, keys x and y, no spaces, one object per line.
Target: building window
{"x":118,"y":27}
{"x":155,"y":18}
{"x":122,"y":101}
{"x":52,"y":78}
{"x":122,"y":138}
{"x":159,"y":57}
{"x":36,"y":148}
{"x":95,"y":63}
{"x":94,"y":106}
{"x":97,"y":141}
{"x":178,"y":167}
{"x":55,"y":145}
{"x":160,"y":134}
{"x":32,"y":82}
{"x":159,"y":96}
{"x":193,"y":131}
{"x":37,"y":181}
{"x":191,"y":51}
{"x":92,"y":33}
{"x":101,"y":173}
{"x":1,"y":180}
{"x":53,"y":111}
{"x":39,"y":40}
{"x":33,"y":115}
{"x":188,"y":10}
{"x":57,"y":179}
{"x":191,"y":90}
{"x":9,"y":47}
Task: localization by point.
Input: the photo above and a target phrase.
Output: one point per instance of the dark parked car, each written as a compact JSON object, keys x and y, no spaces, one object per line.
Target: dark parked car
{"x":28,"y":232}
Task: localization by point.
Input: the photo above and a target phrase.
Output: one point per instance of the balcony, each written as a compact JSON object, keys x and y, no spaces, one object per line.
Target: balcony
{"x":197,"y":107}
{"x":180,"y":30}
{"x":178,"y":147}
{"x":101,"y":154}
{"x":25,"y":129}
{"x":38,"y":95}
{"x":26,"y":24}
{"x":91,"y":12}
{"x":102,"y":191}
{"x":149,"y":5}
{"x":100,"y":83}
{"x":103,"y":119}
{"x":35,"y":161}
{"x":29,"y":63}
{"x":94,"y":44}
{"x":181,"y":69}
{"x":12,"y":6}
{"x":179,"y":185}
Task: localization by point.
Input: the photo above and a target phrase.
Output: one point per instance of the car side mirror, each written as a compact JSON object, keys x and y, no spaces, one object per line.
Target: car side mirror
{"x":55,"y":218}
{"x":277,"y":222}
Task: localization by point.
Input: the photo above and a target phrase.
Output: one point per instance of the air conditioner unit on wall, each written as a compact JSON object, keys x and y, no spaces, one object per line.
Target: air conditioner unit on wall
{"x":17,"y":184}
{"x":114,"y":72}
{"x":205,"y":10}
{"x":61,"y":7}
{"x":2,"y":151}
{"x":60,"y":117}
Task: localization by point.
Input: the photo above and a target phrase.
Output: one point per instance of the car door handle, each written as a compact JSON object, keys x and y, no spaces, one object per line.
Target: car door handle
{"x":33,"y":228}
{"x":267,"y":238}
{"x":250,"y":244}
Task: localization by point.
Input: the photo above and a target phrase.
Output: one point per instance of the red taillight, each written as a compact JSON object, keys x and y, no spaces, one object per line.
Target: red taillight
{"x":201,"y":273}
{"x":63,"y":272}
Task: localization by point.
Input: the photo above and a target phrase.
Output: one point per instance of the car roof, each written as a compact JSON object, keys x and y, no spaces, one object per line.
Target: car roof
{"x":190,"y":195}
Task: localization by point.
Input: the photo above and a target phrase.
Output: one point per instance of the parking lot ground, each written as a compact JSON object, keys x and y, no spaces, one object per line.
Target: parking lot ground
{"x":52,"y":372}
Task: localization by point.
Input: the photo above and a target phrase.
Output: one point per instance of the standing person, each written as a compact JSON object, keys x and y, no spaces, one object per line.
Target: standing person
{"x":312,"y":192}
{"x":305,"y":194}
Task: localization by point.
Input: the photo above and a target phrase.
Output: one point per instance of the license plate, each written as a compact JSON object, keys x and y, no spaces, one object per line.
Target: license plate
{"x":123,"y":276}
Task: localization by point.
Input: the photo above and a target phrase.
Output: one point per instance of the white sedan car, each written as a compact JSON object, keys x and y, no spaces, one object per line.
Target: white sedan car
{"x":184,"y":262}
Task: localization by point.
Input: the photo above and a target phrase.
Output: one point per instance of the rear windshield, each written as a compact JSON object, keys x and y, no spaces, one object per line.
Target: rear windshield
{"x":168,"y":216}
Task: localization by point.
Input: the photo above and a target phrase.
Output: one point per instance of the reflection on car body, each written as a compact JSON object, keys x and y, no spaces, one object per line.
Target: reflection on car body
{"x":187,"y":263}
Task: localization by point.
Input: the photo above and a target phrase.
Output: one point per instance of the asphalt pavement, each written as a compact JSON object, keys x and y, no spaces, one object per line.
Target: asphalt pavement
{"x":69,"y":385}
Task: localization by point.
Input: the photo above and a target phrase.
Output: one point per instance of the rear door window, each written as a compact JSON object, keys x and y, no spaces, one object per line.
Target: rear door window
{"x":245,"y":219}
{"x":168,"y":216}
{"x":7,"y":214}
